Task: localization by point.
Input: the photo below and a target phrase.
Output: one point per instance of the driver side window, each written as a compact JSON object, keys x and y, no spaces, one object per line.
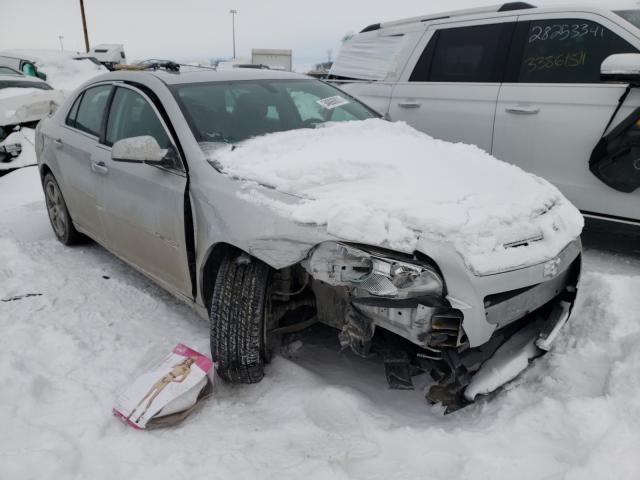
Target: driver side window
{"x":131,"y":115}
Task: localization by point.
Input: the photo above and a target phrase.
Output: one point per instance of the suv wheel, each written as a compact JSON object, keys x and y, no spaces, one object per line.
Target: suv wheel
{"x":58,"y":213}
{"x":237,"y":318}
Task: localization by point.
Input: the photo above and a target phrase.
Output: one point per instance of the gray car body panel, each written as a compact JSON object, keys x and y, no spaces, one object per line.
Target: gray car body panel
{"x":222,"y":216}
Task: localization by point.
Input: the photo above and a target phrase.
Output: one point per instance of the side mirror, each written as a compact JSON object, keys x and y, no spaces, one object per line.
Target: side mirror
{"x":621,"y":67}
{"x":138,"y":149}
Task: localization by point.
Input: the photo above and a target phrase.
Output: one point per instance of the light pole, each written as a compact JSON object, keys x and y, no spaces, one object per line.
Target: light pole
{"x":60,"y":37}
{"x":233,"y":13}
{"x":84,"y":26}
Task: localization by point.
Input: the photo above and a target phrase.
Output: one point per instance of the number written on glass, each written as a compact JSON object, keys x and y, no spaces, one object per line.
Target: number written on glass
{"x":564,"y":31}
{"x":562,"y":60}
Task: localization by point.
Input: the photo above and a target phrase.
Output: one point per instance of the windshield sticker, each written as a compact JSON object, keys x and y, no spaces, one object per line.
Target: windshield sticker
{"x":332,"y":102}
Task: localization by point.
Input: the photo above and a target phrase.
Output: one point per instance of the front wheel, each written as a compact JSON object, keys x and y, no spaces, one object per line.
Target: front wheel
{"x":58,"y":213}
{"x":237,"y":318}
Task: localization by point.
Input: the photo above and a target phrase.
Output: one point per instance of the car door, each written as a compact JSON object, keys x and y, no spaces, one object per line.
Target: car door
{"x":76,"y":149}
{"x":142,"y":205}
{"x":552,"y":108}
{"x":450,"y":86}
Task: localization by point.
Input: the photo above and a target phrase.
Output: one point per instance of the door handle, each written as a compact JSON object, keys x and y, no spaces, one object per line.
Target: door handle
{"x":58,"y":142}
{"x":99,"y":167}
{"x":409,"y":105}
{"x":523,"y":110}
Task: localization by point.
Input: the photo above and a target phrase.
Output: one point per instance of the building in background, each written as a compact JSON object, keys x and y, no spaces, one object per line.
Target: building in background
{"x":272,"y":58}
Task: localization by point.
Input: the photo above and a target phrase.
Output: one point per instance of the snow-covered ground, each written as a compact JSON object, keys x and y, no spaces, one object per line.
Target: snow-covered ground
{"x":319,"y":413}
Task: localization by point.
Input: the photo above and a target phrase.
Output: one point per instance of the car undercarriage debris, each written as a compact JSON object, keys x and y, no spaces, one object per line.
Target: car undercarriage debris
{"x":9,"y":152}
{"x":397,"y":369}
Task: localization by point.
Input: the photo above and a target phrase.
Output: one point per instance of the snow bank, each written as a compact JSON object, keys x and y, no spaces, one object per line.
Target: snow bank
{"x":574,"y":415}
{"x":385,"y":183}
{"x":26,"y":138}
{"x":63,"y":72}
{"x":21,"y":187}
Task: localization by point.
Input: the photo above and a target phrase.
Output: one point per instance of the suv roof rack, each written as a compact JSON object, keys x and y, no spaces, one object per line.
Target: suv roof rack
{"x":168,"y":66}
{"x":506,"y":7}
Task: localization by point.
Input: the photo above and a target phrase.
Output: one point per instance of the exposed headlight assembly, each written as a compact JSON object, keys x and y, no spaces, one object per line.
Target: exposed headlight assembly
{"x":372,"y":273}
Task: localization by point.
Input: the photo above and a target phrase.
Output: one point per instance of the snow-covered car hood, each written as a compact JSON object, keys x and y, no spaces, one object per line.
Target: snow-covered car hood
{"x":20,"y":105}
{"x":387,"y":184}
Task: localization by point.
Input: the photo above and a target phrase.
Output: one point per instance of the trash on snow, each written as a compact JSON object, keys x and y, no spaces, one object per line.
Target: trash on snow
{"x":168,"y":392}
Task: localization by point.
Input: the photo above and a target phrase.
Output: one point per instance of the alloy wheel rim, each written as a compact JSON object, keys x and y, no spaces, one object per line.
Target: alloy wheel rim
{"x":55,"y":209}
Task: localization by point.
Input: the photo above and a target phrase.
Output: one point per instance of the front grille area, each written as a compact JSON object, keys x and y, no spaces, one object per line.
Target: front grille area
{"x":507,"y":307}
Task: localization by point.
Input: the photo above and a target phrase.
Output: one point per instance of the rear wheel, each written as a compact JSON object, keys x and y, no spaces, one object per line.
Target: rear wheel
{"x":58,"y":213}
{"x":237,"y":318}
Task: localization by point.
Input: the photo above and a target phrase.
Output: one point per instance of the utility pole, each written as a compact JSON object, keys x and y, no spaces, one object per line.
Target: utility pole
{"x":84,"y":26}
{"x":60,"y":37}
{"x":233,"y":13}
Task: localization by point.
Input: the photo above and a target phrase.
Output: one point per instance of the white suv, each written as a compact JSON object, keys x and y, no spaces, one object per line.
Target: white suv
{"x":522,"y":83}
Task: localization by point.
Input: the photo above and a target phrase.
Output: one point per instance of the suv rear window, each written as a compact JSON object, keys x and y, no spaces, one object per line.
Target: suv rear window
{"x":465,"y":54}
{"x":568,"y":50}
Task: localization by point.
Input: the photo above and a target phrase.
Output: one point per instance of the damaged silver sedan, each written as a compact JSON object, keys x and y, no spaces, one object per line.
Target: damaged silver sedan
{"x":131,"y":161}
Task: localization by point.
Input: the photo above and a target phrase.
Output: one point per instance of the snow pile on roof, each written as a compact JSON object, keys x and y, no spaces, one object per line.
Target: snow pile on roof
{"x":25,"y":138}
{"x":63,"y":72}
{"x":385,"y":183}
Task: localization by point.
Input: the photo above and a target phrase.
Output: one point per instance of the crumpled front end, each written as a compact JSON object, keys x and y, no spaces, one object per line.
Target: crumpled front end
{"x":443,"y":318}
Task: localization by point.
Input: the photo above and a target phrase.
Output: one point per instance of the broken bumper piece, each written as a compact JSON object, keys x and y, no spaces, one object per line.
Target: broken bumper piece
{"x":515,"y":354}
{"x":463,"y":376}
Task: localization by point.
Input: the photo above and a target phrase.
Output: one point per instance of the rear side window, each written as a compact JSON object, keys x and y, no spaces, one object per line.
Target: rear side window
{"x":132,"y":115}
{"x":567,"y":50}
{"x":465,"y":54}
{"x":91,"y":109}
{"x":73,"y":113}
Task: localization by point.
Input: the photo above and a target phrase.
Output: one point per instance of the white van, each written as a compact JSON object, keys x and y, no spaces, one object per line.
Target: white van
{"x":109,"y":54}
{"x":520,"y":82}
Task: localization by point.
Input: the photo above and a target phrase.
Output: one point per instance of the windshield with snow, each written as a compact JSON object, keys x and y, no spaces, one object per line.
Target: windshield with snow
{"x":230,"y":112}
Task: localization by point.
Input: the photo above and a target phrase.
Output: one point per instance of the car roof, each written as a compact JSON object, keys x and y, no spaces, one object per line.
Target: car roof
{"x":225,"y":75}
{"x":197,"y":76}
{"x":18,"y":56}
{"x":505,"y":9}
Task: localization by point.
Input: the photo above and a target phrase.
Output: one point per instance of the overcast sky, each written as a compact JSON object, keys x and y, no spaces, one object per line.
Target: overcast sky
{"x":201,"y":29}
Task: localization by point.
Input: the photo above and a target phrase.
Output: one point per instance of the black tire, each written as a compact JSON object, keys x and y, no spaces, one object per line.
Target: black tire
{"x":59,"y":217}
{"x":237,"y":318}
